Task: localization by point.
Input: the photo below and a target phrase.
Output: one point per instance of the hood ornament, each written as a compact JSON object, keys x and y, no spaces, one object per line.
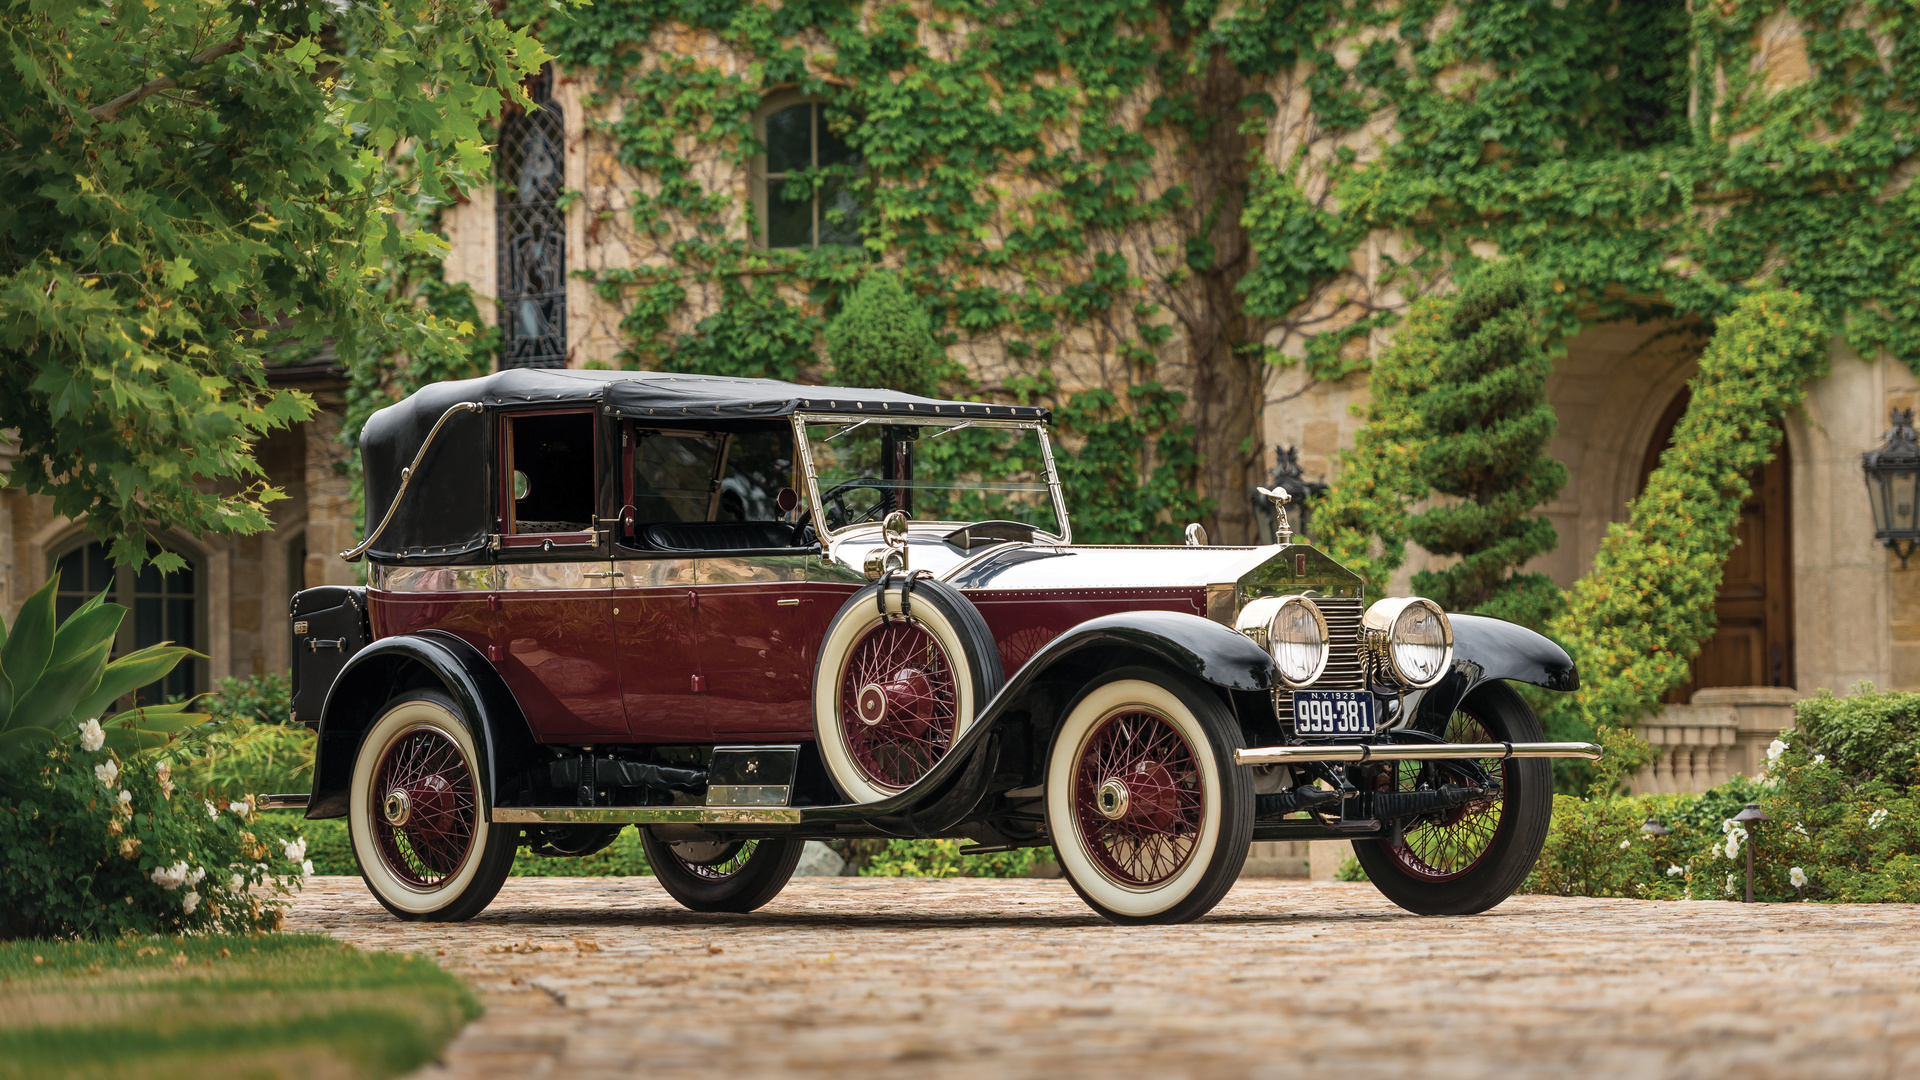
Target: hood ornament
{"x":1282,"y":531}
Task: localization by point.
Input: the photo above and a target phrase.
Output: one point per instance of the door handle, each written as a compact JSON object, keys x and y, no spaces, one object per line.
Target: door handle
{"x":791,"y":601}
{"x":603,"y":573}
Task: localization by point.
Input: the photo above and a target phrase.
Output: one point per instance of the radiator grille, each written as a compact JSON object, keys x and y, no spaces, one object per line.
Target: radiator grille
{"x":1343,"y":665}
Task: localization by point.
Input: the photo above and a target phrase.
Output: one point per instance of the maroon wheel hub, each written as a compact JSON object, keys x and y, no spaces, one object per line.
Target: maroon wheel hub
{"x":1453,"y":845}
{"x":898,"y":703}
{"x":1139,"y":799}
{"x":425,"y":814}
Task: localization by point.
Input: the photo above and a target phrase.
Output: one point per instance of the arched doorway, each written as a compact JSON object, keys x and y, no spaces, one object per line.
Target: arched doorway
{"x":1753,"y":642}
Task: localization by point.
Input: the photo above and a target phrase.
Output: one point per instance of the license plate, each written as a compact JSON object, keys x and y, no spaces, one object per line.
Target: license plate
{"x":1332,"y":712}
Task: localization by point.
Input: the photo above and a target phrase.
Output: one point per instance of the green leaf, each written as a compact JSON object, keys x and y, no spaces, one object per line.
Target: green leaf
{"x":28,"y":648}
{"x":18,"y":742}
{"x":96,"y":621}
{"x":59,"y":688}
{"x":149,"y":726}
{"x":130,"y":672}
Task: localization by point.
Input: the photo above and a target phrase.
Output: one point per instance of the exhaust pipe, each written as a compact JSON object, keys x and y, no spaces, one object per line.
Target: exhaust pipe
{"x":1282,"y":755}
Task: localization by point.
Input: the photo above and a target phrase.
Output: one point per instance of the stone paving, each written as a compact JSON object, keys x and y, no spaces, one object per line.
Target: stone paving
{"x":586,"y":978}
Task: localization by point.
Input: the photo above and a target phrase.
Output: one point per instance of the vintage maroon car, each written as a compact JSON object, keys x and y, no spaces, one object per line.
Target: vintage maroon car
{"x":741,"y":614}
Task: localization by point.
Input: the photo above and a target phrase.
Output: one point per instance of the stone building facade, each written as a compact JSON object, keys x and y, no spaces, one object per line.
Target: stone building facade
{"x":1811,"y":602}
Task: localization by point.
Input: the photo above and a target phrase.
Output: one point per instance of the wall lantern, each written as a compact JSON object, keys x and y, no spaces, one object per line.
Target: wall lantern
{"x":1893,"y":486}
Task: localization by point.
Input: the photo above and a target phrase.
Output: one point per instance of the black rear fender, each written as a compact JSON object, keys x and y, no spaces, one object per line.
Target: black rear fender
{"x":391,"y":667}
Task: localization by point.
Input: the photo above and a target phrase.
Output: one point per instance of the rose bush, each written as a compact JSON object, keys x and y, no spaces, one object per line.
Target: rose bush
{"x":98,"y":835}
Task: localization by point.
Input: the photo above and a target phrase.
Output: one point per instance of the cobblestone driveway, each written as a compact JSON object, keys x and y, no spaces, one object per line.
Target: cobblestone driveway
{"x":586,"y":978}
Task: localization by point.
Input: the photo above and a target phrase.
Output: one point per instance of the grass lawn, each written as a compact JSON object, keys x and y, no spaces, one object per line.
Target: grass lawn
{"x":277,"y":1005}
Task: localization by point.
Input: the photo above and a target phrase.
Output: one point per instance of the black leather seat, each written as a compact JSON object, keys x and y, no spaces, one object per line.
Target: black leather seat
{"x":721,"y":535}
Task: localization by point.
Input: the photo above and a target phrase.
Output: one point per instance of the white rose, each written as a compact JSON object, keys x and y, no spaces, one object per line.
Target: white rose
{"x":170,"y":877}
{"x":1875,"y":819}
{"x":213,"y":812}
{"x":91,"y":737}
{"x":1818,"y":758}
{"x":1798,"y":877}
{"x":1775,"y":749}
{"x":1625,"y":844}
{"x":189,"y":902}
{"x":1675,"y":871}
{"x":1730,"y":880}
{"x":237,"y":883}
{"x":296,"y":849}
{"x":126,"y":797}
{"x":107,"y":772}
{"x":199,"y":875}
{"x":306,"y":868}
{"x":240,"y":808}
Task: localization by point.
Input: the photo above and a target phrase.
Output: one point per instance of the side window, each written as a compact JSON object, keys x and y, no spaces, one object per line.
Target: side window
{"x":759,"y":465}
{"x":549,"y":473}
{"x":674,"y":475}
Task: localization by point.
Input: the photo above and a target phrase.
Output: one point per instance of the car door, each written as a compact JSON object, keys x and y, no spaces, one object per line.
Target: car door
{"x":550,"y":643}
{"x":670,"y":477}
{"x":759,"y":625}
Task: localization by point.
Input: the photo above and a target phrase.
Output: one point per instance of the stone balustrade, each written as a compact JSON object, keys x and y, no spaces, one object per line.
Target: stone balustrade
{"x":1723,"y":732}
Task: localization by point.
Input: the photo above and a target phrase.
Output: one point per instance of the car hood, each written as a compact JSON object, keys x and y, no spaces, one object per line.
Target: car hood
{"x":1242,"y":572}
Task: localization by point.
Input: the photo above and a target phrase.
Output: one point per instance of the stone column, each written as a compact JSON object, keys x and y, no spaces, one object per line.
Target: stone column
{"x":330,"y":503}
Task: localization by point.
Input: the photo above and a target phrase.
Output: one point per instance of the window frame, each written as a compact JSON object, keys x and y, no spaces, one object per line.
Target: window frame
{"x":761,"y":182}
{"x":124,"y":591}
{"x":504,"y":517}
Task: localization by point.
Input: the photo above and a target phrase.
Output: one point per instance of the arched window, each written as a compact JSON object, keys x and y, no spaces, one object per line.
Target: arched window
{"x":802,"y":189}
{"x":162,"y":607}
{"x":532,"y":233}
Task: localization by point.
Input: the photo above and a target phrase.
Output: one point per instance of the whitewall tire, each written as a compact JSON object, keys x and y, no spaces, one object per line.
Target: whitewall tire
{"x":418,"y":814}
{"x":1150,"y":817}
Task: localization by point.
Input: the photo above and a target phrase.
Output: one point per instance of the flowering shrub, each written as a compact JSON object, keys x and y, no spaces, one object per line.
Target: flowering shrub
{"x":93,"y":843}
{"x":97,"y":834}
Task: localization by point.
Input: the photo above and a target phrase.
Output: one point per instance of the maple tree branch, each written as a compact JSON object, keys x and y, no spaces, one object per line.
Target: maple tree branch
{"x":165,"y":82}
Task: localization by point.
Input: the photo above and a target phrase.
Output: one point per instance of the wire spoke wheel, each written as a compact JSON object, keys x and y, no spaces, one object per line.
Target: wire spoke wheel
{"x":714,"y":861}
{"x":1465,"y":859}
{"x":1452,"y":844}
{"x":898,"y":703}
{"x":1138,"y":798}
{"x":426,"y":811}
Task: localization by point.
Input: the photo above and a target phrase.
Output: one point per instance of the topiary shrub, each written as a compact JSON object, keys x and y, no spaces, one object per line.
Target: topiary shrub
{"x":1486,"y":423}
{"x":883,"y":338}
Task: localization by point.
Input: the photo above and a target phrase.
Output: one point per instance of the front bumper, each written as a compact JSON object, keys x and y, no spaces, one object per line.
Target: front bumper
{"x":1284,"y":755}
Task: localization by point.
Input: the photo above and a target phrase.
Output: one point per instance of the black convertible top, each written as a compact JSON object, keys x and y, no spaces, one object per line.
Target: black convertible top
{"x":445,"y":511}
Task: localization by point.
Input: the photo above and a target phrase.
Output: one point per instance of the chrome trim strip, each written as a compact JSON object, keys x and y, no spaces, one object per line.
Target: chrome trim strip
{"x":406,"y":477}
{"x":647,"y":815}
{"x":1281,"y":755}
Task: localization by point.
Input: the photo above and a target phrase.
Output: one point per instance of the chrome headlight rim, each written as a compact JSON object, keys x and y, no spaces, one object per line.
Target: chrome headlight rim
{"x":1258,"y":619}
{"x":1381,"y":625}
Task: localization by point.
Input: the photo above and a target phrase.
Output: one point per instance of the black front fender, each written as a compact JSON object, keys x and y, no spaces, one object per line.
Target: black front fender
{"x":1190,"y":644}
{"x":430,"y":660}
{"x":1485,"y":649}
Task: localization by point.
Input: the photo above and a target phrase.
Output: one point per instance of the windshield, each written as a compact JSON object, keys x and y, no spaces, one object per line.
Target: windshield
{"x":961,"y":472}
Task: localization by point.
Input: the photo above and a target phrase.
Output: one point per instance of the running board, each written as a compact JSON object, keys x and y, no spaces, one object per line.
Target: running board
{"x":647,"y":815}
{"x":1282,"y":755}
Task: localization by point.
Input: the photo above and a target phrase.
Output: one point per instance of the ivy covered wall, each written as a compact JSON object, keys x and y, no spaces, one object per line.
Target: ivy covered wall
{"x":1188,"y":226}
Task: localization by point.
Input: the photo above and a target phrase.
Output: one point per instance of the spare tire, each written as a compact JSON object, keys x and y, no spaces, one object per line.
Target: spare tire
{"x":894,"y":688}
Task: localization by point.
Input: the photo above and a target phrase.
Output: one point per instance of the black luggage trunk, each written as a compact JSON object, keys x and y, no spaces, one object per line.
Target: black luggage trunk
{"x":329,"y":625}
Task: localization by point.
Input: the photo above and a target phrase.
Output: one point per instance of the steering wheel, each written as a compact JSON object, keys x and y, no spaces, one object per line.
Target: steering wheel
{"x":835,"y":499}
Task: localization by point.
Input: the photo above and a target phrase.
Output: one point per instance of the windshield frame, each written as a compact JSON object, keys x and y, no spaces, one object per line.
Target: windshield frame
{"x":1063,"y":535}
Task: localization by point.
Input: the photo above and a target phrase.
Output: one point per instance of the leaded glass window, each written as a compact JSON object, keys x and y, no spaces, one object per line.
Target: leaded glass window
{"x":162,"y":607}
{"x":533,"y":233}
{"x":808,"y":199}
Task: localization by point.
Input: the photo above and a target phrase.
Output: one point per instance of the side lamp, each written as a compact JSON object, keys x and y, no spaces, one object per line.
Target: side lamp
{"x":1893,"y":486}
{"x":1749,"y":818}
